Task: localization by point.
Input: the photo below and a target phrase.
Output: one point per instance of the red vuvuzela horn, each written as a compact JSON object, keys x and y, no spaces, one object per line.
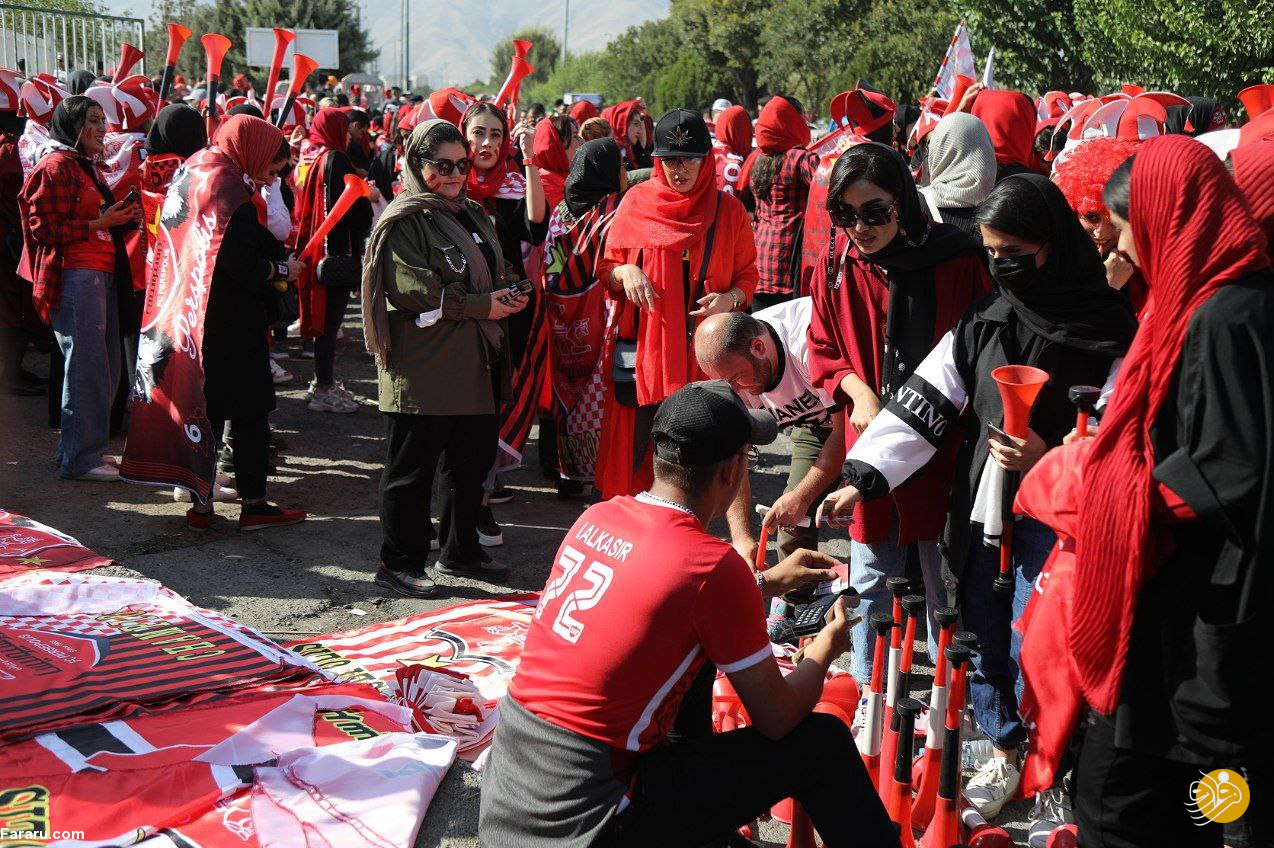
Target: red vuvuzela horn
{"x":282,"y":38}
{"x":128,"y":57}
{"x":302,"y":67}
{"x":216,"y":46}
{"x":355,"y":188}
{"x":898,"y":804}
{"x":177,"y":35}
{"x":962,"y":84}
{"x":1085,"y":399}
{"x":1019,"y":386}
{"x":869,"y":738}
{"x":520,"y":69}
{"x":888,"y":747}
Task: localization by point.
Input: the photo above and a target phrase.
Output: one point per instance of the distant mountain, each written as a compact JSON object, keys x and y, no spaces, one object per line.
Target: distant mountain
{"x":451,"y":42}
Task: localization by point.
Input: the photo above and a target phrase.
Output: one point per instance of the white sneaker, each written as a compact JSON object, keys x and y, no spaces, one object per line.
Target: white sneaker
{"x":278,"y":354}
{"x":294,"y":328}
{"x":332,"y":401}
{"x":1052,"y":810}
{"x":100,"y":474}
{"x":220,"y":494}
{"x":279,"y":375}
{"x":993,"y":786}
{"x":338,"y":387}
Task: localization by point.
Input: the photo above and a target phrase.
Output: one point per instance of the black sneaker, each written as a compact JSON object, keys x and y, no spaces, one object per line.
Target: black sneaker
{"x":485,"y":569}
{"x":500,"y":495}
{"x":567,"y":489}
{"x":489,"y":534}
{"x":413,"y":584}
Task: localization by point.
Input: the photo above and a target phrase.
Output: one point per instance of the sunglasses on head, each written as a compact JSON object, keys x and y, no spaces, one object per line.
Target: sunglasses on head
{"x":444,"y":167}
{"x":846,"y":216}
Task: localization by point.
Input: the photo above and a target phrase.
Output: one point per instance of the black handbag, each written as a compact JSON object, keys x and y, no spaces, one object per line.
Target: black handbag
{"x":340,"y":272}
{"x":623,"y":362}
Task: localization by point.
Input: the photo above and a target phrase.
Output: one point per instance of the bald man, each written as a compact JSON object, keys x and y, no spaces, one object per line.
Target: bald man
{"x":763,"y":357}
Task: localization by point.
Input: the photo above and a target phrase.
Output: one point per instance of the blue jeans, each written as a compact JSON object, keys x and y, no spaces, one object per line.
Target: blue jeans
{"x":870,"y":565}
{"x":996,"y":681}
{"x":86,"y":324}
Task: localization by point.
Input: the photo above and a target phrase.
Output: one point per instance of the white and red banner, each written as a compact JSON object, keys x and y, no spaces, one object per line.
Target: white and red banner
{"x":958,"y":60}
{"x":27,"y":545}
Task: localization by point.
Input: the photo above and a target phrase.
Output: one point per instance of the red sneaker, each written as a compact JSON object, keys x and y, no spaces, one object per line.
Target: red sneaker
{"x":269,"y":515}
{"x":199,"y":520}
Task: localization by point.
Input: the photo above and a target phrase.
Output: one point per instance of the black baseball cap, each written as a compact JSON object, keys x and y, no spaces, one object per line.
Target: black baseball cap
{"x":682,"y":133}
{"x":705,"y":422}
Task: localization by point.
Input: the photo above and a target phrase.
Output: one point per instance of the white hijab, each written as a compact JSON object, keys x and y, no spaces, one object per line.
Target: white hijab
{"x":960,"y":165}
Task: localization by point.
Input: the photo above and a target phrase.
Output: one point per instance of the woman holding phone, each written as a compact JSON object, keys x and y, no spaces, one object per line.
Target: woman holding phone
{"x":436,"y":297}
{"x":74,"y":255}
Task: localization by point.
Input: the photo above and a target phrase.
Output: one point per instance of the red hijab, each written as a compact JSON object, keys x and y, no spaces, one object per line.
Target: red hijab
{"x":483,"y":185}
{"x":1254,"y":172}
{"x":582,"y":110}
{"x":1194,"y":233}
{"x":662,"y":222}
{"x":552,"y":162}
{"x":778,"y":129}
{"x":330,"y":130}
{"x":619,"y":116}
{"x":734,"y":130}
{"x":1010,"y":119}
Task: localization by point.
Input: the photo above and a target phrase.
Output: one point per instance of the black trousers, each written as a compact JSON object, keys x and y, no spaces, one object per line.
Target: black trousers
{"x":325,"y":345}
{"x":466,"y":444}
{"x":1127,"y":799}
{"x":705,"y":786}
{"x":251,"y":451}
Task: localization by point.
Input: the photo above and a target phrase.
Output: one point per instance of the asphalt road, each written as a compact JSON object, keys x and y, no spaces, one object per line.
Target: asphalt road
{"x":296,"y":581}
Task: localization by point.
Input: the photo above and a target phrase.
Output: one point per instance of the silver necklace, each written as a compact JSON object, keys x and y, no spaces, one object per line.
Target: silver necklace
{"x":464,"y":262}
{"x":647,"y":495}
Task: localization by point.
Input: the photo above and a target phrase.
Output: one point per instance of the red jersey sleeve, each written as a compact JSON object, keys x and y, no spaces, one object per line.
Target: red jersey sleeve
{"x":728,"y":616}
{"x":828,"y":362}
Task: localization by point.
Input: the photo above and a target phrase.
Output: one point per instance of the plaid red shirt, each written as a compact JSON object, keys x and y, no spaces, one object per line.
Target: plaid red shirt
{"x":57,"y":201}
{"x":778,"y":222}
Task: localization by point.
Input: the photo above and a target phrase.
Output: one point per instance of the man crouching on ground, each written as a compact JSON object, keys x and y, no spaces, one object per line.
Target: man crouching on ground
{"x":605,"y":738}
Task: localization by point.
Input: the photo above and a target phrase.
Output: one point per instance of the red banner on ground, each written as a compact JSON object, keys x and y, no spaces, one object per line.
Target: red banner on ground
{"x":26,"y":545}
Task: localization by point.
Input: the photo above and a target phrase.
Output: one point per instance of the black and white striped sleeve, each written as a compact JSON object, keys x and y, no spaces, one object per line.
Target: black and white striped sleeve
{"x":908,"y":431}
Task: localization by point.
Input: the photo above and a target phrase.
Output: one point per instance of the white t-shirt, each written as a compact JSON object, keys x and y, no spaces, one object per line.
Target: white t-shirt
{"x":794,"y":401}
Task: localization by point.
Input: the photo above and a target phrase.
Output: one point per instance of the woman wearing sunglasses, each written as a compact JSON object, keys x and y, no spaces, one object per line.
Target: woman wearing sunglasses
{"x":514,"y":202}
{"x":1053,"y":311}
{"x":435,"y":304}
{"x":892,"y":284}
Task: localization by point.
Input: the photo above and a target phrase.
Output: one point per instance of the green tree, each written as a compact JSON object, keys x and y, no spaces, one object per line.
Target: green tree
{"x":544,"y":55}
{"x":727,"y":34}
{"x":632,"y":63}
{"x":899,"y":46}
{"x":581,"y":72}
{"x":689,"y":83}
{"x":1207,"y":47}
{"x":1037,"y":42}
{"x":803,"y":42}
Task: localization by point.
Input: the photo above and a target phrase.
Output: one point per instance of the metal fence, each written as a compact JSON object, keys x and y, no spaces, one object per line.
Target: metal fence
{"x":53,"y":41}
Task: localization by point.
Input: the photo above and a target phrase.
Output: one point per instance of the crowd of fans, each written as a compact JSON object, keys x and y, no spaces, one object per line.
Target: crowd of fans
{"x":578,"y":269}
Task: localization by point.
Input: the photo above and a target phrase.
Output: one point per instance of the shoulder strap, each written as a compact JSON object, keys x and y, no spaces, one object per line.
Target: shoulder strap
{"x":707,"y":245}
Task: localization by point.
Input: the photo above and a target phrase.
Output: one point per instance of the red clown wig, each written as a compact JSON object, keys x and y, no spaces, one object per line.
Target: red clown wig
{"x":1083,"y":174}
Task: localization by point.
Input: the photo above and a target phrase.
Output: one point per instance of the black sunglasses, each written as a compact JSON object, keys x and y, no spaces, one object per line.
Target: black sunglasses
{"x":446,"y":166}
{"x":846,"y":216}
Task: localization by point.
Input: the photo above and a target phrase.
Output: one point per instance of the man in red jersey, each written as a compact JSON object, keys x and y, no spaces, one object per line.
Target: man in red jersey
{"x":605,"y":738}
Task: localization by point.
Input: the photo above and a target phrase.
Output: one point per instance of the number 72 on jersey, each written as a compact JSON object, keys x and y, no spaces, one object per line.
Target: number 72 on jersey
{"x":585,"y":594}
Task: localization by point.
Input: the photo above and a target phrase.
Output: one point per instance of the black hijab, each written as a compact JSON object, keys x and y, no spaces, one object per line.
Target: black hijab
{"x":177,"y":129}
{"x":12,"y":122}
{"x":78,"y":82}
{"x":245,"y":109}
{"x":1070,"y":302}
{"x":1199,"y":113}
{"x":68,"y":119}
{"x":909,"y":261}
{"x":594,"y":174}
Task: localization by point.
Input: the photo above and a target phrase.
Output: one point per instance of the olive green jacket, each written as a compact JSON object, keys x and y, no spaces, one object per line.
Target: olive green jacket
{"x":445,"y":369}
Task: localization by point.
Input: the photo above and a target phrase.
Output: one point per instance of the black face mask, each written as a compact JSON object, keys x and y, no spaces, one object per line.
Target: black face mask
{"x":1015,"y":272}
